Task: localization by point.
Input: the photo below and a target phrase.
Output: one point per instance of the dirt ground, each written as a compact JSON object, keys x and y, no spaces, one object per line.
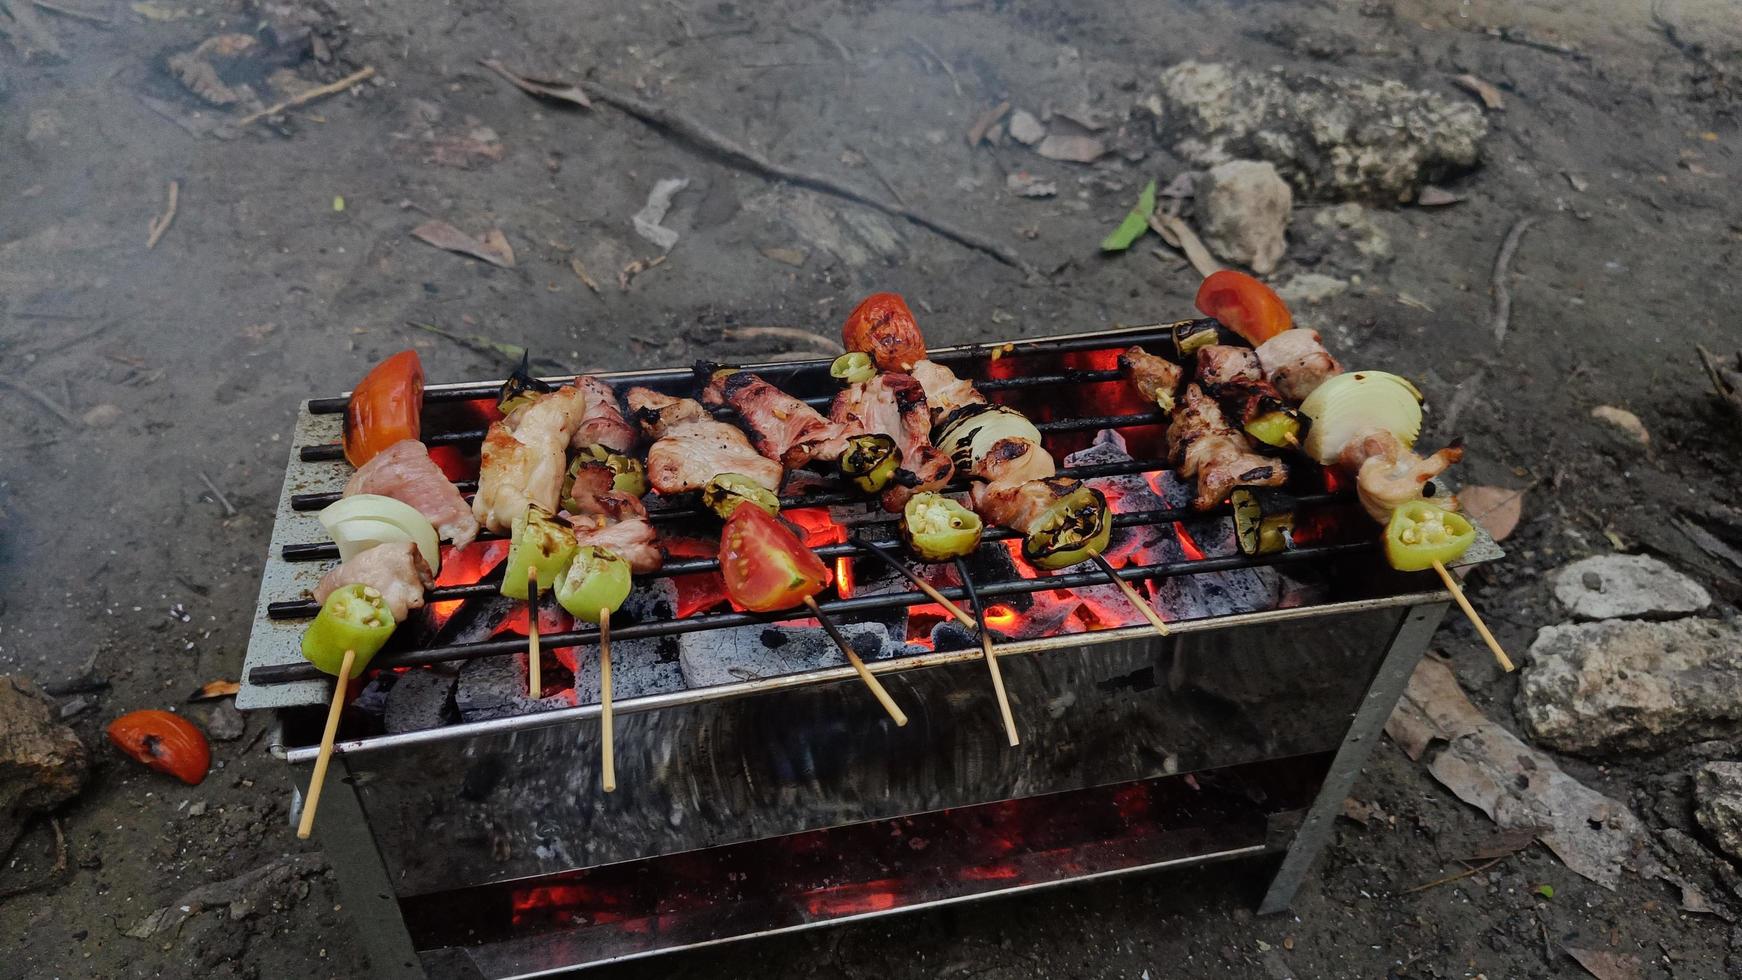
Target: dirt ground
{"x":288,"y":267}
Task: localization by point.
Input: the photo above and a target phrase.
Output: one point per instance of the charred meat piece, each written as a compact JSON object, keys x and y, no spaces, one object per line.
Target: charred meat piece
{"x":405,"y":472}
{"x":944,"y":392}
{"x":1297,"y":363}
{"x":395,"y":570}
{"x":785,"y":429}
{"x":601,"y":418}
{"x":1220,"y":364}
{"x":894,"y":405}
{"x":1202,"y":444}
{"x":692,"y":448}
{"x":1155,"y":378}
{"x":630,"y":538}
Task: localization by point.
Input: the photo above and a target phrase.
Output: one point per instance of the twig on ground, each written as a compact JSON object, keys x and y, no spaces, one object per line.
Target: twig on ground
{"x":218,"y":495}
{"x":839,"y":48}
{"x":61,"y":856}
{"x":45,"y":401}
{"x":747,"y":159}
{"x":55,"y":8}
{"x":160,"y":224}
{"x":580,"y":271}
{"x":1728,"y":389}
{"x":955,"y":82}
{"x":783,"y":333}
{"x":313,"y":94}
{"x":1174,"y":231}
{"x":1448,"y":879}
{"x":876,"y":171}
{"x":1502,"y":293}
{"x":1547,"y":947}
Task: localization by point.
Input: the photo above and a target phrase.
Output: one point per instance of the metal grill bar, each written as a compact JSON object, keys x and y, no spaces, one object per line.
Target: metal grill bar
{"x":320,"y":551}
{"x":1148,"y":333}
{"x":289,"y":673}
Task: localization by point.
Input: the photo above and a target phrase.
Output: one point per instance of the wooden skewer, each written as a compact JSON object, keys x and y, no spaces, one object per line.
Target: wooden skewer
{"x":534,"y":669}
{"x":1475,"y":620}
{"x":957,"y":612}
{"x":605,"y":743}
{"x":991,"y":655}
{"x":306,"y":825}
{"x":865,"y":674}
{"x":1135,"y":598}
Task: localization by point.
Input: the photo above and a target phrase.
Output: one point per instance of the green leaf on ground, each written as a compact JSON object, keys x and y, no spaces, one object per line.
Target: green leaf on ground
{"x":1135,"y":223}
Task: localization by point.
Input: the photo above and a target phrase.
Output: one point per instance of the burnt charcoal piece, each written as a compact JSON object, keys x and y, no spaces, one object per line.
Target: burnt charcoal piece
{"x":420,"y":699}
{"x":743,"y":653}
{"x":495,"y":687}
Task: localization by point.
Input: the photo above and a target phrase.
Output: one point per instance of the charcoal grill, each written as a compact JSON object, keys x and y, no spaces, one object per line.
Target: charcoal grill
{"x":760,"y":789}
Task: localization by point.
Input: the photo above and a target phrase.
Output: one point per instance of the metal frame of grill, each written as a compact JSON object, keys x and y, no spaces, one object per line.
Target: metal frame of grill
{"x":364,"y":830}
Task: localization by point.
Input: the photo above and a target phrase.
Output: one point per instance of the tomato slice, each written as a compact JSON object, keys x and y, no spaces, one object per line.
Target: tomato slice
{"x":765,"y":566}
{"x":882,"y":326}
{"x":385,"y":407}
{"x":1244,"y":305}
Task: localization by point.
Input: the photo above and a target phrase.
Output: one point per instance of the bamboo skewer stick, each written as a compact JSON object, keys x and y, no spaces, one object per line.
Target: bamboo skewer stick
{"x":991,"y":656}
{"x":605,"y":740}
{"x":1134,"y":597}
{"x":534,"y":669}
{"x":865,"y":674}
{"x":1475,"y":620}
{"x":304,"y":98}
{"x":957,"y":612}
{"x":306,"y":825}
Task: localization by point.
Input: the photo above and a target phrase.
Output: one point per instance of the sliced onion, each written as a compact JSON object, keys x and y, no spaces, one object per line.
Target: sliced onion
{"x":1359,"y":401}
{"x":972,"y":435}
{"x":368,"y":510}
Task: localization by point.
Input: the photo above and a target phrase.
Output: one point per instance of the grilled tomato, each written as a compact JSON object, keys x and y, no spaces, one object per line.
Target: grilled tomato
{"x":883,"y":327}
{"x":166,"y":742}
{"x":1244,"y":305}
{"x":765,"y":565}
{"x":385,"y":407}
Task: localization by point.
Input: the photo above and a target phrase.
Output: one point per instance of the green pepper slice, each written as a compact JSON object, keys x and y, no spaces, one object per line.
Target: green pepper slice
{"x":1263,"y":520}
{"x":521,"y":388}
{"x":1189,"y":335}
{"x":1279,"y":428}
{"x":353,"y":618}
{"x":628,"y":475}
{"x":938,"y":528}
{"x":853,"y":367}
{"x":538,"y":542}
{"x":596,"y":581}
{"x":725,"y":492}
{"x":870,"y":461}
{"x":1075,"y":528}
{"x":1420,"y":534}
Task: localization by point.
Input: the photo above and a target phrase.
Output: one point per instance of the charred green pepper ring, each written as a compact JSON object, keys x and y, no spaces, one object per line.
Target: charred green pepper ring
{"x":1189,"y":335}
{"x":1420,"y":535}
{"x":521,"y":388}
{"x":1279,"y":427}
{"x":1074,"y":528}
{"x":938,"y":529}
{"x":853,"y":367}
{"x":628,"y":473}
{"x":724,"y":493}
{"x":1263,"y":520}
{"x":596,"y":581}
{"x":870,"y":461}
{"x":353,"y":618}
{"x":538,"y":543}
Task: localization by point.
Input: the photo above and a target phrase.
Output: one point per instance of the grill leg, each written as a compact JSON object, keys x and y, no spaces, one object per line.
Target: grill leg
{"x":363,"y":882}
{"x":1407,"y":645}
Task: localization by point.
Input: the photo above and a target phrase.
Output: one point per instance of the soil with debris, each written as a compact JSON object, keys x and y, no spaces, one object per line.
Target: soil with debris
{"x":135,"y":375}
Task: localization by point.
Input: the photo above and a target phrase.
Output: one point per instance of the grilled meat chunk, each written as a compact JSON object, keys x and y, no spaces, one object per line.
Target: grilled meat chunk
{"x":1387,"y":475}
{"x":692,"y":448}
{"x":601,"y":418}
{"x":405,"y":472}
{"x":895,"y":405}
{"x":525,"y":454}
{"x":1156,"y":378}
{"x":1297,"y":363}
{"x":631,"y":539}
{"x":396,"y":570}
{"x":1202,"y":444}
{"x":944,"y":392}
{"x":1221,"y":364}
{"x":783,"y":428}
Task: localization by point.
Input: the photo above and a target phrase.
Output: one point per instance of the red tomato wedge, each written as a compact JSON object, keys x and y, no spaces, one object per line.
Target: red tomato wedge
{"x":765,"y":566}
{"x":386,"y":407}
{"x":1244,"y":305}
{"x":882,"y":326}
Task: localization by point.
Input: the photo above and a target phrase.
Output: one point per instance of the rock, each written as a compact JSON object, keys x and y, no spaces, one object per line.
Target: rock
{"x":1311,"y":289}
{"x":42,"y":763}
{"x":1718,"y":804}
{"x":1626,"y":423}
{"x":1352,"y":224}
{"x":1333,"y":136}
{"x":1618,"y":586}
{"x":1025,"y":128}
{"x":1243,"y":208}
{"x":225,"y":723}
{"x":1627,"y":685}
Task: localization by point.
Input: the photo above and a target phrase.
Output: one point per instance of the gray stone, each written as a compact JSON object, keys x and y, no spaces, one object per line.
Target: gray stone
{"x":1311,"y":289}
{"x":1333,"y":136}
{"x":1628,"y":685}
{"x":42,"y":762}
{"x":1243,"y":208}
{"x":1026,"y":129}
{"x":225,"y":723}
{"x":1618,"y":586}
{"x":1718,"y":804}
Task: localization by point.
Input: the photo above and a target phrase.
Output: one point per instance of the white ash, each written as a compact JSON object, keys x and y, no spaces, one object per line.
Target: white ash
{"x":744,"y":653}
{"x":495,"y":687}
{"x":638,"y":667}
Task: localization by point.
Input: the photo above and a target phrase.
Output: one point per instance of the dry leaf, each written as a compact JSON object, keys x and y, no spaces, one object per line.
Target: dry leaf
{"x":492,"y":247}
{"x":1605,"y":965}
{"x":1490,"y":96}
{"x":580,"y":272}
{"x":1071,"y":148}
{"x":1174,"y":230}
{"x":1624,"y":420}
{"x":1435,"y":197}
{"x":545,"y":88}
{"x":636,"y":268}
{"x":1363,"y":813}
{"x":1497,"y":509}
{"x":214,"y":689}
{"x":481,"y":143}
{"x":785,"y":256}
{"x":985,"y":122}
{"x":1506,"y":842}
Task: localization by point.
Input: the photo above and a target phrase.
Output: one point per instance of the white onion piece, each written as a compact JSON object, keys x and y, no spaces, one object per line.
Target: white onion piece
{"x":369,"y":509}
{"x":1358,"y":401}
{"x":977,"y":435}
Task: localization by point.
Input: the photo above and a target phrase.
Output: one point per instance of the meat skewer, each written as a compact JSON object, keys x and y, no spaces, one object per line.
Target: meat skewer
{"x":526,"y":452}
{"x":691,"y":448}
{"x":405,"y":472}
